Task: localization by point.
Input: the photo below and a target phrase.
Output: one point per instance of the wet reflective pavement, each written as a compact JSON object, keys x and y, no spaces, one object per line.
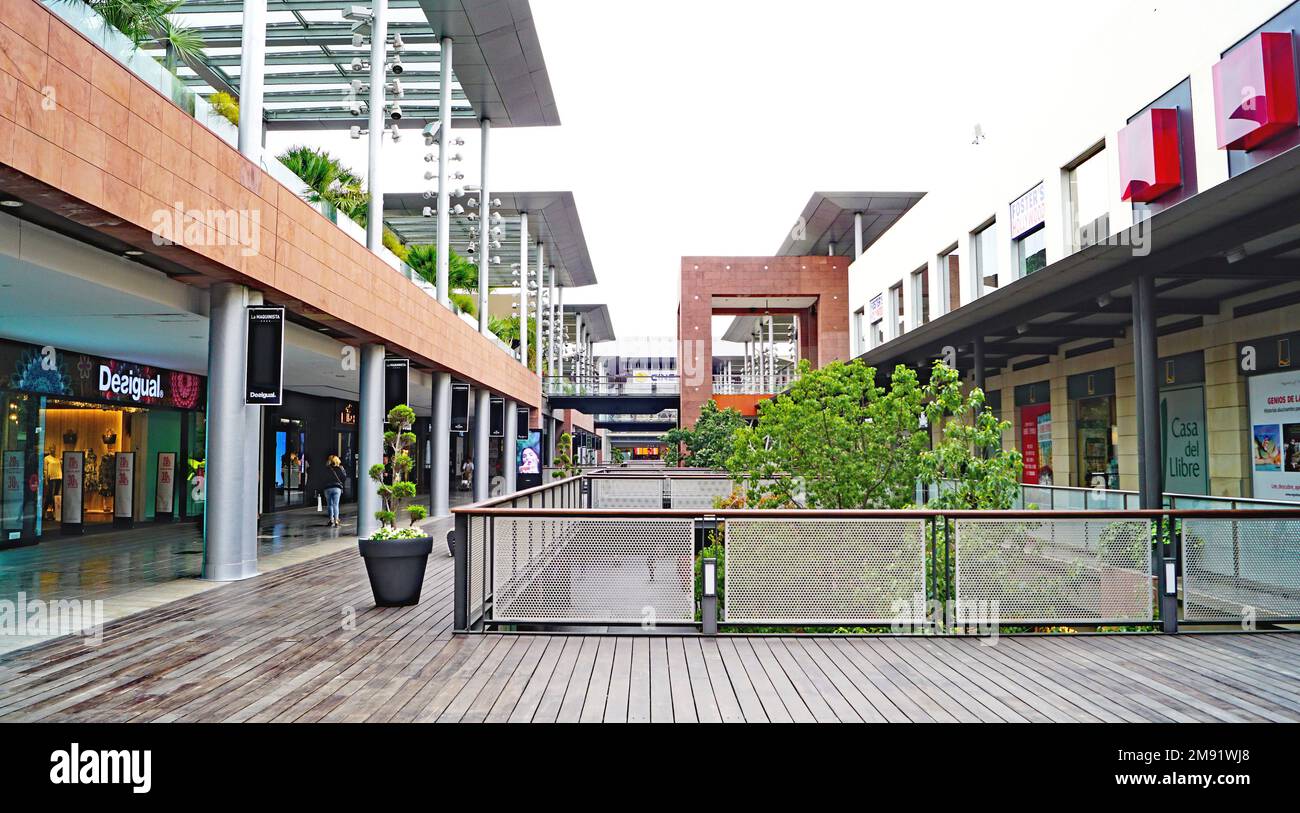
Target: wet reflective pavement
{"x":107,"y":564}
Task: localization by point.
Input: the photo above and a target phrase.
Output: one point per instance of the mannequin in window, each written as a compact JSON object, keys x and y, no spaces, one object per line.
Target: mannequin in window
{"x":53,"y":472}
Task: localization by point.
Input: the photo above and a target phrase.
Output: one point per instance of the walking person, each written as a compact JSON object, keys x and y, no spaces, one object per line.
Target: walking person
{"x":335,"y":478}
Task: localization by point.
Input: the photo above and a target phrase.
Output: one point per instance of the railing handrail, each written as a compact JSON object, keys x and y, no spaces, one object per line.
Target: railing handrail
{"x":484,"y":509}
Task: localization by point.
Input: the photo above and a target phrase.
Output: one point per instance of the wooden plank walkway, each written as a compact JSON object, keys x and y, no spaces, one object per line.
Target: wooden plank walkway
{"x":304,"y":644}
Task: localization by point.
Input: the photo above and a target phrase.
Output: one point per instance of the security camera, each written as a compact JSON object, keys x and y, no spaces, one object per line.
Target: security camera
{"x":354,"y":109}
{"x":429,"y":176}
{"x":358,"y":40}
{"x":458,"y":142}
{"x":395,"y":112}
{"x":357,"y":14}
{"x":472,"y":202}
{"x":428,"y":194}
{"x":470,"y":249}
{"x":356,"y":132}
{"x":428,"y":157}
{"x":357,"y":64}
{"x":395,"y":132}
{"x":398,"y":45}
{"x":458,"y":209}
{"x":396,"y":65}
{"x":396,"y":87}
{"x":428,"y":211}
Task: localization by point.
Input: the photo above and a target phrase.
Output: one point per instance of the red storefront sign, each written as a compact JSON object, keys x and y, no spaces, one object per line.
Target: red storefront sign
{"x":1255,"y":91}
{"x":1036,"y":442}
{"x":1149,"y":160}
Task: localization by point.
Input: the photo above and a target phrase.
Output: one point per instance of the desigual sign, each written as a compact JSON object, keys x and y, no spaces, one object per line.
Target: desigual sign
{"x":113,"y":384}
{"x":52,"y":371}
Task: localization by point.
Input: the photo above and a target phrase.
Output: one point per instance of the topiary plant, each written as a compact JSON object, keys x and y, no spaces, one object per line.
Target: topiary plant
{"x":398,"y":440}
{"x":564,"y":465}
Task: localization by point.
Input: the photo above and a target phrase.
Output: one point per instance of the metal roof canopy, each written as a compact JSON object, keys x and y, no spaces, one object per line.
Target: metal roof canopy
{"x":595,"y":318}
{"x":552,"y":219}
{"x":309,"y":51}
{"x":498,"y":59}
{"x":828,"y":218}
{"x":743,"y":328}
{"x":1084,"y":298}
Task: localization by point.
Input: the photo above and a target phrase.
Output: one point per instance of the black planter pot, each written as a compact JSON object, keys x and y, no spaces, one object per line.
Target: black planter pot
{"x":396,"y":569}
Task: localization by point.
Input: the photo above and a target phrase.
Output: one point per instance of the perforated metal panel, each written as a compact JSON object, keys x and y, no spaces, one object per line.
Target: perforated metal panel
{"x":1231,"y":567}
{"x":821,"y":571}
{"x":627,"y":492}
{"x":477,"y":565}
{"x":1054,"y":570}
{"x":699,"y":492}
{"x":593,"y":570}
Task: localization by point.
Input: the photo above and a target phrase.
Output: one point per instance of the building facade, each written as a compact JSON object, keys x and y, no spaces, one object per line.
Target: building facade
{"x":1028,"y":270}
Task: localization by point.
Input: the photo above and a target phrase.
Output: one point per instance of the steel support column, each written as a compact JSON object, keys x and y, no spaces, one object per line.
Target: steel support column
{"x":482,"y":406}
{"x":252,"y":74}
{"x":378,"y":56}
{"x":1146,"y":354}
{"x":541,"y":283}
{"x":252,"y":458}
{"x":523,"y":289}
{"x":508,"y":445}
{"x":485,"y":235}
{"x":857,"y":235}
{"x":228,"y":520}
{"x":440,"y":428}
{"x":443,"y":246}
{"x":370,"y":435}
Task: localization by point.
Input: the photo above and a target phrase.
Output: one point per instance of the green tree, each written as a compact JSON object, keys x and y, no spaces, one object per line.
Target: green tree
{"x":838,"y":440}
{"x":149,"y":21}
{"x":708,"y":443}
{"x":392,"y":485}
{"x":564,"y":463}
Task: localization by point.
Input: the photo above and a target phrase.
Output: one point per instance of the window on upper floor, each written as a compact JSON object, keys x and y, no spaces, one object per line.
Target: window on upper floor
{"x":1031,"y":251}
{"x":1089,"y":199}
{"x":896,"y":310}
{"x":859,"y":331}
{"x":949,"y":277}
{"x":921,"y":295}
{"x":984,"y":251}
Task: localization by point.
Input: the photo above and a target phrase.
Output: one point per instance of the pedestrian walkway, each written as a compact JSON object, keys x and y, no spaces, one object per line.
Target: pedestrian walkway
{"x":305,"y":643}
{"x":133,"y":570}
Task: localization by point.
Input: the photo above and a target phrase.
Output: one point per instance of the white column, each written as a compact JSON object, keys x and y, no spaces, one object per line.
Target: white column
{"x":252,"y":74}
{"x":482,"y":406}
{"x":508,"y":445}
{"x":541,"y":282}
{"x":370,"y":436}
{"x":443,"y":246}
{"x":378,"y":55}
{"x":771,"y":353}
{"x":228,"y":520}
{"x":559,"y":323}
{"x":523,"y":289}
{"x":252,"y":462}
{"x":550,"y":322}
{"x":440,"y":427}
{"x":484,"y":236}
{"x":857,"y":235}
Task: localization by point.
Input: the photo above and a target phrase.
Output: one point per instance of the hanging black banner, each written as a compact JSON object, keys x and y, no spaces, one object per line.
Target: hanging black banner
{"x":397,"y":382}
{"x":459,"y":407}
{"x":521,"y":424}
{"x":265,"y":371}
{"x":497,"y":417}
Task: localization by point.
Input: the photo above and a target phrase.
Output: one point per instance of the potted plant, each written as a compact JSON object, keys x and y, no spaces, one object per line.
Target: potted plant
{"x":395,"y":557}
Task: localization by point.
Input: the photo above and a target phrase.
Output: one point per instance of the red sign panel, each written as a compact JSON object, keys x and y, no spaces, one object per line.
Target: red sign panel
{"x":1255,"y":91}
{"x":1036,"y":444}
{"x":1149,"y":160}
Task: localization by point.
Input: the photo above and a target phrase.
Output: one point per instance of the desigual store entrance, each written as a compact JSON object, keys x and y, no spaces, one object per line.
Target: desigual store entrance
{"x":90,"y":443}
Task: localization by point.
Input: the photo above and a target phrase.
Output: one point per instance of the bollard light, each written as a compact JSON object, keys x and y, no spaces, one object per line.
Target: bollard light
{"x":710,"y":574}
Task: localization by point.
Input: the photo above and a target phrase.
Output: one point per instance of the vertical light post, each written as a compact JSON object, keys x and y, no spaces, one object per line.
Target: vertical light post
{"x":485,"y":235}
{"x":523,"y":288}
{"x":541,"y":282}
{"x":375,"y":138}
{"x":709,"y":596}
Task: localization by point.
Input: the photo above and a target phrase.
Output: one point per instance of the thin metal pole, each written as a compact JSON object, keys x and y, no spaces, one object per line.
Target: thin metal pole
{"x":541,"y":282}
{"x":444,"y":194}
{"x":252,"y":74}
{"x":485,"y":236}
{"x":378,"y":55}
{"x":857,"y":235}
{"x":523,"y":288}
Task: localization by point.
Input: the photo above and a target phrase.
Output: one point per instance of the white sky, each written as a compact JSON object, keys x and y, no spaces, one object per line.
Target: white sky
{"x":702,"y":126}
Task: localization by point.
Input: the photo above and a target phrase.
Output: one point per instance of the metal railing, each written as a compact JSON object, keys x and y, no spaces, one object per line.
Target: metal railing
{"x":659,"y":384}
{"x":1075,"y":498}
{"x":618,"y":547}
{"x":753,"y":384}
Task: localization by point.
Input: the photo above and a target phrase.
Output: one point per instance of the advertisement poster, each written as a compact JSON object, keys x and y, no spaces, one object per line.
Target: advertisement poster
{"x":124,"y":492}
{"x":1182,"y":422}
{"x":73,"y":468}
{"x":528,"y":453}
{"x":1275,"y":435}
{"x":1036,"y":444}
{"x":165,"y":494}
{"x":11,"y":503}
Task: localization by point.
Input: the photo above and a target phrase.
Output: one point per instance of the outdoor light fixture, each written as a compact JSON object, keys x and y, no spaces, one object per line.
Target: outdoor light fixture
{"x":132,"y":252}
{"x":356,"y":132}
{"x":354,"y":109}
{"x":458,"y":209}
{"x":358,"y":40}
{"x":396,"y":87}
{"x":1104,"y":301}
{"x":11,"y":204}
{"x":472,"y":202}
{"x":431,"y":131}
{"x":1022,"y":329}
{"x":429,"y":176}
{"x":395,"y":132}
{"x":428,"y":157}
{"x":710,"y":573}
{"x":1236,"y":255}
{"x":428,"y":211}
{"x":396,"y":65}
{"x":395,"y":112}
{"x":357,"y":14}
{"x":398,"y":45}
{"x":358,"y":64}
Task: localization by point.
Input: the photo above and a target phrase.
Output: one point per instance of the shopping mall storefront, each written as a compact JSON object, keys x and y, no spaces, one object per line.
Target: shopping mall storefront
{"x":91,"y":443}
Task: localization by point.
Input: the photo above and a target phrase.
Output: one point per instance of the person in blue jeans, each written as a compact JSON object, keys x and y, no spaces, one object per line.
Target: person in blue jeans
{"x":335,"y":477}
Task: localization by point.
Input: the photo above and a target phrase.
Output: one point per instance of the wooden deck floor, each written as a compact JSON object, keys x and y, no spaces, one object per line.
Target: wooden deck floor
{"x":276,"y":648}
